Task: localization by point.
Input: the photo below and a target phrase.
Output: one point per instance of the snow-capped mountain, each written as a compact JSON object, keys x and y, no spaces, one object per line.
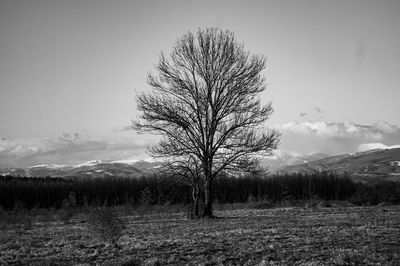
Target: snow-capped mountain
{"x":94,"y":168}
{"x":376,"y":162}
{"x":382,"y":163}
{"x":280,"y":159}
{"x":136,"y":168}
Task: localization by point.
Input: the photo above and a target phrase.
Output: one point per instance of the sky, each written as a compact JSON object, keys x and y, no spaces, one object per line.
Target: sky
{"x":70,"y":70}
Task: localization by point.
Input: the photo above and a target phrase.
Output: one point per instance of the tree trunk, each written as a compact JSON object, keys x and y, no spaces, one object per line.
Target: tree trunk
{"x":196,"y":199}
{"x":208,"y":212}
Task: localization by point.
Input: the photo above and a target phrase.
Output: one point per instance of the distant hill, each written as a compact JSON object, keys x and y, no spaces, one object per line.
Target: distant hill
{"x":281,"y":159}
{"x":135,"y":168}
{"x":362,"y":166}
{"x":88,"y":169}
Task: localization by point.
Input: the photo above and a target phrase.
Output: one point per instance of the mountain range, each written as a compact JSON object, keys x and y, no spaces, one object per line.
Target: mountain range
{"x":280,"y":159}
{"x":91,"y":169}
{"x":362,"y":166}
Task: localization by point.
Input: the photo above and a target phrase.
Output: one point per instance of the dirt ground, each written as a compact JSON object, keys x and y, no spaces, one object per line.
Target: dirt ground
{"x":283,"y":236}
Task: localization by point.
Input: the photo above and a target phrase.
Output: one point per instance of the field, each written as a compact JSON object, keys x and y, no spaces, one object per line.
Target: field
{"x":281,"y":236}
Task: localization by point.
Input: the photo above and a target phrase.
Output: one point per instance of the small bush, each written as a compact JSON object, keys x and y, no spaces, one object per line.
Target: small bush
{"x":106,"y":226}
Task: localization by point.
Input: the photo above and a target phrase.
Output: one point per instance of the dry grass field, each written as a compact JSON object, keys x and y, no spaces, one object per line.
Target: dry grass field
{"x":282,"y":236}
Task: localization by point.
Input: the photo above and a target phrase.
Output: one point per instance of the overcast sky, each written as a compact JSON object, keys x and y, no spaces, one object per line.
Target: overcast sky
{"x":75,"y":66}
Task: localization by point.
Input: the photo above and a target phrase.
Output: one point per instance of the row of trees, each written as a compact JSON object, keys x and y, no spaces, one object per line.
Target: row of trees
{"x":18,"y":192}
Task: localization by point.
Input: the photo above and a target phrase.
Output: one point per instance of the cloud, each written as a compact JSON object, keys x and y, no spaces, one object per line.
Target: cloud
{"x":342,"y":129}
{"x":71,"y":137}
{"x":72,"y":148}
{"x":318,"y":110}
{"x":335,"y":138}
{"x":374,"y":146}
{"x":297,"y":137}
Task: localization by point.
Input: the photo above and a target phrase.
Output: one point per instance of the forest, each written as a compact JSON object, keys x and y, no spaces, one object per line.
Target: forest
{"x":55,"y":193}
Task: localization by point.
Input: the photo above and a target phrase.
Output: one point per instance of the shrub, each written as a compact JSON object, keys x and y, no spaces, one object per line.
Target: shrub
{"x":106,"y":226}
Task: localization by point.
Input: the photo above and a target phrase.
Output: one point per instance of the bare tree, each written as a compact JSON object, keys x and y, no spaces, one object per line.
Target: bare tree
{"x":205,"y":103}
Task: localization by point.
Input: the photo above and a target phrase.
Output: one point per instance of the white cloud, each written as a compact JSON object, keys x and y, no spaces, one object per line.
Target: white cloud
{"x":124,"y":144}
{"x":335,"y":138}
{"x":376,"y":131}
{"x":73,"y":148}
{"x":374,"y":146}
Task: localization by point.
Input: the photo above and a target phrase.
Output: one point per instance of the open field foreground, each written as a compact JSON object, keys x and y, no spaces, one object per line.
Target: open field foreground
{"x":285,"y":236}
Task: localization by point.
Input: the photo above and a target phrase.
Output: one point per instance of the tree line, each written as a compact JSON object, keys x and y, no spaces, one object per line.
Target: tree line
{"x":55,"y":193}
